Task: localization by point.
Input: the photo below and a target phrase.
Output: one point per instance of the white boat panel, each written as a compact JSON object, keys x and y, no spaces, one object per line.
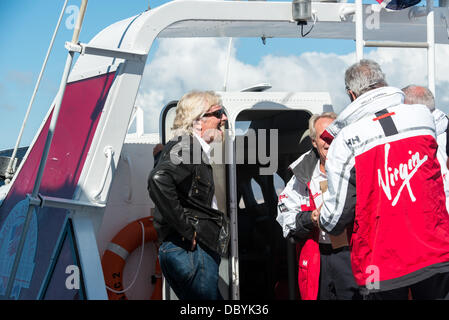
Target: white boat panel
{"x":128,"y":201}
{"x":236,"y":102}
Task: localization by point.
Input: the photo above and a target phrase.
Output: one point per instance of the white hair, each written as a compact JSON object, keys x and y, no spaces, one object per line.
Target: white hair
{"x":314,"y":118}
{"x":364,"y":76}
{"x":419,"y":95}
{"x":190,"y":108}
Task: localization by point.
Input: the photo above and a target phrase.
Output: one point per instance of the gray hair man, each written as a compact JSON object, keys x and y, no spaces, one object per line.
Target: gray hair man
{"x":421,"y":95}
{"x":384,"y":180}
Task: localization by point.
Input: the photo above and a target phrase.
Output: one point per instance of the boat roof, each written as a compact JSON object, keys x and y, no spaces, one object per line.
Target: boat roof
{"x":393,"y":25}
{"x":181,"y":19}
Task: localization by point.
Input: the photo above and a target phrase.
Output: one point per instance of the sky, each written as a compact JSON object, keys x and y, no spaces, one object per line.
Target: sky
{"x":176,"y":66}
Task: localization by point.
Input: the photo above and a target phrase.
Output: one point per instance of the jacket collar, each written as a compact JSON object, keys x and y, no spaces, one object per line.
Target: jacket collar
{"x":440,"y":121}
{"x":367,"y":104}
{"x":204,"y":145}
{"x":304,"y":166}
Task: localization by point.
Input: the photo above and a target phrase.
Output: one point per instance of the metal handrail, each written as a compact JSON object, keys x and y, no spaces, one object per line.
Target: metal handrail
{"x":43,"y":160}
{"x":109,"y":153}
{"x":10,"y":170}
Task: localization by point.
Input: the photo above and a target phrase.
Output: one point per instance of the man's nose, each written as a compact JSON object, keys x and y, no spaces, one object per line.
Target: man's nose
{"x":224,"y":117}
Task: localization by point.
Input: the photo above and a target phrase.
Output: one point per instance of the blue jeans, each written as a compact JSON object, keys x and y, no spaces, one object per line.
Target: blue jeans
{"x":193,"y":275}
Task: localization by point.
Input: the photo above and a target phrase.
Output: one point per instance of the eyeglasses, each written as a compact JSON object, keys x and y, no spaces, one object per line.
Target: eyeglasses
{"x":217,"y":114}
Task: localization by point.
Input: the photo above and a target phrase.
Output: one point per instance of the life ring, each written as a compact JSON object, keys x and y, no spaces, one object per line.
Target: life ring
{"x":114,"y":258}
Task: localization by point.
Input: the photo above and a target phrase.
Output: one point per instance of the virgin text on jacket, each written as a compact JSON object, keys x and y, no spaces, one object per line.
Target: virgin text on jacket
{"x":401,"y":174}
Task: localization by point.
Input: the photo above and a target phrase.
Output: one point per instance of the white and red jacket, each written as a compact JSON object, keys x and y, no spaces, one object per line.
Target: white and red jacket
{"x":385,"y":180}
{"x":295,"y":205}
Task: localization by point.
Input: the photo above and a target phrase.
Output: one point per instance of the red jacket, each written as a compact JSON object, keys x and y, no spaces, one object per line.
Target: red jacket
{"x":385,"y":179}
{"x":308,"y":253}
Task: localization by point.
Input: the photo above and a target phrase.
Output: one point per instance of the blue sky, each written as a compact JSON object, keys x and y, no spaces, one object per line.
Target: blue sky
{"x":27,"y":26}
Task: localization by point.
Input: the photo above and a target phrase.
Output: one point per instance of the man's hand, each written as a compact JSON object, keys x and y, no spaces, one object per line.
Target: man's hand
{"x":193,"y":241}
{"x":316,"y":216}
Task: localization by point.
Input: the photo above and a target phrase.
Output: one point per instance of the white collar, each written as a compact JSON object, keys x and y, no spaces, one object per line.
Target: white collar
{"x":204,"y":145}
{"x":440,"y":121}
{"x":317,"y":172}
{"x":368,"y":103}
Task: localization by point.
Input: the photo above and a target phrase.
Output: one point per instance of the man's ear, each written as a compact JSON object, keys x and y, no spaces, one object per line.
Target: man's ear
{"x":351,"y":95}
{"x":197,"y":126}
{"x":314,"y":143}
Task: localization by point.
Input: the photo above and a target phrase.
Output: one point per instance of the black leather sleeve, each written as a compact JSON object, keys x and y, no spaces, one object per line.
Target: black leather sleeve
{"x":162,"y":185}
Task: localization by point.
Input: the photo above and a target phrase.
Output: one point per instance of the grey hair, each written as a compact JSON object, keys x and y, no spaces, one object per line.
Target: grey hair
{"x":364,"y":76}
{"x":191,"y":107}
{"x":314,"y":118}
{"x":419,"y":95}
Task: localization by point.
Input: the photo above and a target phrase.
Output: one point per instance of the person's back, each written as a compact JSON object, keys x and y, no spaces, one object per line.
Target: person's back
{"x":401,"y":224}
{"x":421,"y":95}
{"x":385,"y":179}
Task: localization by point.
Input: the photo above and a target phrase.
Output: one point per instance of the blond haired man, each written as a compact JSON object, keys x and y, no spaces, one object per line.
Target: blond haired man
{"x":192,"y":231}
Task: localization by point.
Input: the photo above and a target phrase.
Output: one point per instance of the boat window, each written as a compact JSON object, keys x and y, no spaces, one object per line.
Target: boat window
{"x":279,"y":185}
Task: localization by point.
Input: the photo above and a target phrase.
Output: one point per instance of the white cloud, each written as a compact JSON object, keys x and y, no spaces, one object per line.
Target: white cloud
{"x":180,"y":65}
{"x":409,"y":66}
{"x":177,"y":67}
{"x":406,"y":66}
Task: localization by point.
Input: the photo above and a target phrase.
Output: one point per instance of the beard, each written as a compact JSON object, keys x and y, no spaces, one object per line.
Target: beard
{"x":213,"y":135}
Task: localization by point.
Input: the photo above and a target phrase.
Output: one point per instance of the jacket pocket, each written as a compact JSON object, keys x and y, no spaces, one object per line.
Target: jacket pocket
{"x":309,"y":270}
{"x":303,"y":271}
{"x":202,"y":187}
{"x":177,"y":263}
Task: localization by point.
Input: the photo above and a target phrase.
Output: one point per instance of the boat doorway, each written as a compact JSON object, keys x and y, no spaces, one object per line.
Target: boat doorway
{"x":267,"y":263}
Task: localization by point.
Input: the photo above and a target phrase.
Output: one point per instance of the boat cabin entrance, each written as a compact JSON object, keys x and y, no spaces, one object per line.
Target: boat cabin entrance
{"x":265,"y":133}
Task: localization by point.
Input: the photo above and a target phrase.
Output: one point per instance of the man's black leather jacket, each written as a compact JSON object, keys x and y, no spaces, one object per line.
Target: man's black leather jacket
{"x":182,"y":188}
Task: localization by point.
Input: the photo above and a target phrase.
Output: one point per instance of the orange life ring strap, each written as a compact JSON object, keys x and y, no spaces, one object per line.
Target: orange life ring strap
{"x":114,"y":257}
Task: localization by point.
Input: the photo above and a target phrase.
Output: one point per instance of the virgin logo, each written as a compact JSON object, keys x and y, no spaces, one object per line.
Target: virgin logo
{"x":400,"y":175}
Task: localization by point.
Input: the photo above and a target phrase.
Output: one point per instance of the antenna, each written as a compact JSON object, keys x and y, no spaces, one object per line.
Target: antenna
{"x":227,"y":64}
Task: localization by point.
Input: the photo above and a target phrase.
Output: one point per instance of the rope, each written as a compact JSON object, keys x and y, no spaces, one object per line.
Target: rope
{"x":138,"y":266}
